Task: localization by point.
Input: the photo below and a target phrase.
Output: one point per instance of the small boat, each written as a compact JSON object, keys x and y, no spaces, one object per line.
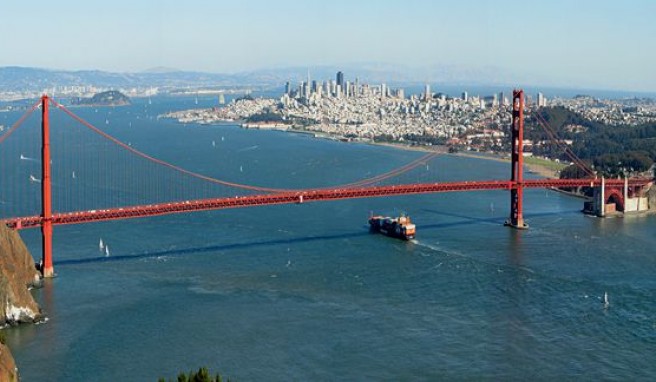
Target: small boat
{"x":101,"y":245}
{"x":107,"y":251}
{"x":73,"y":175}
{"x":213,"y":143}
{"x":23,"y":157}
{"x":34,"y":179}
{"x":241,"y":169}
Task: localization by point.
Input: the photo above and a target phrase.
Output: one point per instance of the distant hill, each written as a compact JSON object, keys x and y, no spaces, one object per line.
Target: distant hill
{"x":108,"y":98}
{"x":14,"y":78}
{"x":612,"y":150}
{"x":441,"y":77}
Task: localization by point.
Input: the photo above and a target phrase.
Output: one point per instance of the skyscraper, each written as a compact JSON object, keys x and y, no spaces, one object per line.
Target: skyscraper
{"x":288,"y":88}
{"x":427,"y":93}
{"x":340,"y":79}
{"x":465,"y":96}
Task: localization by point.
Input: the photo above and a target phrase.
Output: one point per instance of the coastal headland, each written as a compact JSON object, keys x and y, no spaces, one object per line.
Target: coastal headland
{"x":18,"y":274}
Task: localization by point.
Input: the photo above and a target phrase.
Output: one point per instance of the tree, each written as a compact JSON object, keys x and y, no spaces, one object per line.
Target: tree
{"x":202,"y":375}
{"x":573,"y":172}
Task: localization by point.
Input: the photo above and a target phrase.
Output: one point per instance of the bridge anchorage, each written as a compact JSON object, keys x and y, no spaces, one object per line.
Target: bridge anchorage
{"x":610,"y":195}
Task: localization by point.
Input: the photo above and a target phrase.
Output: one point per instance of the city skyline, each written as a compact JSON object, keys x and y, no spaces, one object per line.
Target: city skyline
{"x":588,"y":44}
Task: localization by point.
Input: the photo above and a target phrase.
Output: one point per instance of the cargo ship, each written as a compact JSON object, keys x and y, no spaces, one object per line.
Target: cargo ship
{"x":401,"y":227}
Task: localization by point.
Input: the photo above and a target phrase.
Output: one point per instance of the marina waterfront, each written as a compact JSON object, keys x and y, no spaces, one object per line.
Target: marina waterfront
{"x":305,"y":292}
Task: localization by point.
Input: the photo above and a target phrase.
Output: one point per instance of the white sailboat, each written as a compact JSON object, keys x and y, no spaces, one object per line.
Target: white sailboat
{"x":213,"y":143}
{"x":34,"y":179}
{"x":101,"y":245}
{"x":107,"y":251}
{"x":221,"y":99}
{"x":73,"y":175}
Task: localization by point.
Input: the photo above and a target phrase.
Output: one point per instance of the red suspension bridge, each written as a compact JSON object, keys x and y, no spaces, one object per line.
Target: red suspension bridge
{"x":261,"y":196}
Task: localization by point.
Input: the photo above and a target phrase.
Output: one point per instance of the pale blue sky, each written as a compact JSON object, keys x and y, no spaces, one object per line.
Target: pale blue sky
{"x":601,"y":44}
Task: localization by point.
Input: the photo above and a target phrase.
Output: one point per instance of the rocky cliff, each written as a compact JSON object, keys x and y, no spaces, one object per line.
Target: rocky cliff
{"x":8,"y":371}
{"x":17,"y":275}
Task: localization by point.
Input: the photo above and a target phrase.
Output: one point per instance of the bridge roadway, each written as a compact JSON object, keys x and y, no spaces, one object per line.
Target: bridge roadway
{"x":303,"y":196}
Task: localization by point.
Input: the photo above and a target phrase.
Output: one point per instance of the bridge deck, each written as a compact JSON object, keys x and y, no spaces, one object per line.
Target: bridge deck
{"x":302,"y":196}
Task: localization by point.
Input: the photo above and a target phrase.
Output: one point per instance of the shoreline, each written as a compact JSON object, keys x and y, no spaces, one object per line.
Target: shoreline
{"x":541,"y":170}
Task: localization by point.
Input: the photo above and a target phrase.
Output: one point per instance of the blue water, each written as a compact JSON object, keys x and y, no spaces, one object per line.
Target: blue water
{"x":305,"y":292}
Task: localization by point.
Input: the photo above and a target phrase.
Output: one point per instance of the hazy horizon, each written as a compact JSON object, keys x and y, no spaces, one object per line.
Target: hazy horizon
{"x":590,"y":44}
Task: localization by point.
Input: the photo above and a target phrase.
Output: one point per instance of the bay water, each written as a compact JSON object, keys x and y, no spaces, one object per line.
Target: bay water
{"x":306,"y":292}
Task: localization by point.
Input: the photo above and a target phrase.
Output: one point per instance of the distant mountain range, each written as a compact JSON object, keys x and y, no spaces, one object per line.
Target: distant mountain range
{"x":487,"y":79}
{"x":14,"y":78}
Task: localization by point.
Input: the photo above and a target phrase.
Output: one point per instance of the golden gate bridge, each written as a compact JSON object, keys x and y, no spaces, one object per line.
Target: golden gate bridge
{"x":262,"y":196}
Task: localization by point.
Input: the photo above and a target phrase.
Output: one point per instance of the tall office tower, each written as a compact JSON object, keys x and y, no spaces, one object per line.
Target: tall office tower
{"x":427,"y":93}
{"x":542,"y":101}
{"x":502,"y":99}
{"x":465,"y":96}
{"x":495,"y":100}
{"x":333,"y":88}
{"x":347,"y":89}
{"x":356,"y":92}
{"x":340,"y":79}
{"x":306,"y":90}
{"x":315,"y":86}
{"x":400,"y":93}
{"x":383,"y":91}
{"x":326,"y":88}
{"x":338,"y":91}
{"x":288,"y":88}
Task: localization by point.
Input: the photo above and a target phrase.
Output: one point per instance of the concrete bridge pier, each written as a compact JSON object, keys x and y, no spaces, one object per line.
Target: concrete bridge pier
{"x":608,"y":201}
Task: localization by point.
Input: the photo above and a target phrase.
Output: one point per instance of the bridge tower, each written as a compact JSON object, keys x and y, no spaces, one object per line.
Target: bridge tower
{"x":46,"y":193}
{"x":517,"y":163}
